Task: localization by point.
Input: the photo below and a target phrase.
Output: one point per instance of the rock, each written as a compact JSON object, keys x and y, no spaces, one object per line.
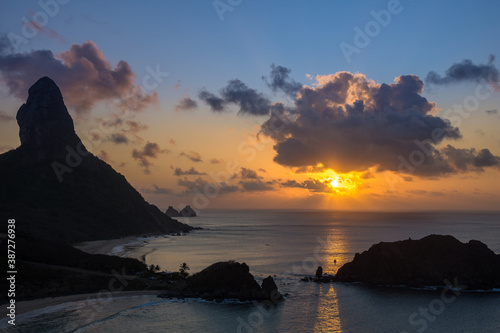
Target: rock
{"x":271,"y":290}
{"x":430,"y":261}
{"x":229,"y":279}
{"x":187,"y":212}
{"x":45,"y":126}
{"x":57,"y":190}
{"x":319,"y":272}
{"x":172,"y":212}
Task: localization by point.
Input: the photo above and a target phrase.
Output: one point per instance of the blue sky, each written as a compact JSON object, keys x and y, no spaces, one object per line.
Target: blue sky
{"x":189,"y":40}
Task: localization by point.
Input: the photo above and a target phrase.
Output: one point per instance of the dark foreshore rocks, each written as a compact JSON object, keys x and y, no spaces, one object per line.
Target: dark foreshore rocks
{"x":227,"y":280}
{"x":434,"y":260}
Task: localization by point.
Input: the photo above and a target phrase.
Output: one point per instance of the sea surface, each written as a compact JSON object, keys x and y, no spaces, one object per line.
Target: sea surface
{"x":289,"y":245}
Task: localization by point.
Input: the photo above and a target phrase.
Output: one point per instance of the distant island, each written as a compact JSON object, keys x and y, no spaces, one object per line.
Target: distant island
{"x":185,"y":212}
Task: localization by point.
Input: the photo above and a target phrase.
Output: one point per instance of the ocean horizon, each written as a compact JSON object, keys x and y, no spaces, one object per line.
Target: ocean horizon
{"x":289,"y":245}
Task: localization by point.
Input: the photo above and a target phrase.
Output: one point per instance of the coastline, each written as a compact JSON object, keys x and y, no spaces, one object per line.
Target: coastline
{"x":41,"y":303}
{"x":115,"y":246}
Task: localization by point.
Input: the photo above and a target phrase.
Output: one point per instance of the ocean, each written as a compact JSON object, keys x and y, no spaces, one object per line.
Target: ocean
{"x":289,"y":245}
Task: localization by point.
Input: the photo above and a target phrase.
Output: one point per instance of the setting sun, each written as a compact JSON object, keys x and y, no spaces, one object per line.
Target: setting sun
{"x":335,"y":182}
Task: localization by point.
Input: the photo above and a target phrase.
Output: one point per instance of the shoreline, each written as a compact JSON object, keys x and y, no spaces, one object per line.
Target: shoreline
{"x":23,"y":307}
{"x":115,"y":246}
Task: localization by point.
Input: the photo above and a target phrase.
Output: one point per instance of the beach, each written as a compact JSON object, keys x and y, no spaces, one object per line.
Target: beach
{"x":37,"y":304}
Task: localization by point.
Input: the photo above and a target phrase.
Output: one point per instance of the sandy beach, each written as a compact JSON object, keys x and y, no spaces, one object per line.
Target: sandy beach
{"x":108,"y":246}
{"x":37,"y":304}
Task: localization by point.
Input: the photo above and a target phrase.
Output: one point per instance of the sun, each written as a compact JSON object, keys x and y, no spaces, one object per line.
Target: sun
{"x":335,"y":182}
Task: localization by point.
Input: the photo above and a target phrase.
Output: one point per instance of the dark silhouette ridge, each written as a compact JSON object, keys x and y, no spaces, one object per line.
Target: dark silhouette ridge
{"x":56,"y":189}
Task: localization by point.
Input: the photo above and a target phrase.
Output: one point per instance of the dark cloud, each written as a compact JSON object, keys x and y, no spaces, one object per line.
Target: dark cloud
{"x":256,"y":186}
{"x":5,"y":117}
{"x":118,"y":138}
{"x":313,"y":185}
{"x":192,"y":155}
{"x":186,"y":104}
{"x":279,"y":80}
{"x":216,"y":161}
{"x":491,"y":111}
{"x":236,"y":92}
{"x":201,"y":185}
{"x":123,"y":128}
{"x":348,"y":123}
{"x":217,"y":104}
{"x":83,"y":73}
{"x":190,"y":172}
{"x":426,"y":193}
{"x":157,"y":190}
{"x":150,"y":150}
{"x":245,"y":173}
{"x":463,"y":160}
{"x":249,"y":100}
{"x":467,"y":71}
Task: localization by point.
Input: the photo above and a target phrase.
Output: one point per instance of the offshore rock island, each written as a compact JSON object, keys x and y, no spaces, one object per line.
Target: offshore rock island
{"x":435,"y":260}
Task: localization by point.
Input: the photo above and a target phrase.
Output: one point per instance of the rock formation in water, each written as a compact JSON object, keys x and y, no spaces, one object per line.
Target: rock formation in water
{"x":172,"y":212}
{"x":187,"y":212}
{"x":434,"y":260}
{"x":225,"y":280}
{"x":56,"y":189}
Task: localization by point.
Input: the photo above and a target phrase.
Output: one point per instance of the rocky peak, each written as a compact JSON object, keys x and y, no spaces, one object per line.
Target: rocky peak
{"x":45,"y":126}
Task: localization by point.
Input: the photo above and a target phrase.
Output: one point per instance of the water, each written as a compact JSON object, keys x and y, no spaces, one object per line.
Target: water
{"x":289,"y":245}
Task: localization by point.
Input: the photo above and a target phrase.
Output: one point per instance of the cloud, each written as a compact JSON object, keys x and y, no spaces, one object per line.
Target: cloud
{"x":236,"y":92}
{"x":256,"y":185}
{"x":245,"y":173}
{"x":118,"y":138}
{"x":348,"y":123}
{"x":150,"y":150}
{"x":280,"y":81}
{"x":43,"y":30}
{"x":313,"y":185}
{"x":426,"y":193}
{"x":467,"y":71}
{"x":83,"y":73}
{"x":491,"y":111}
{"x":103,"y":155}
{"x":157,"y":190}
{"x":192,"y":155}
{"x":463,"y":160}
{"x":201,"y":185}
{"x":216,"y":161}
{"x":190,"y":172}
{"x":123,"y":127}
{"x":217,"y":104}
{"x":5,"y":117}
{"x":186,"y":104}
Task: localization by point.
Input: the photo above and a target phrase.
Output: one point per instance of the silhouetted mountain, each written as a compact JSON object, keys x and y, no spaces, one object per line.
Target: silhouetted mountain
{"x":430,"y":261}
{"x":56,"y":189}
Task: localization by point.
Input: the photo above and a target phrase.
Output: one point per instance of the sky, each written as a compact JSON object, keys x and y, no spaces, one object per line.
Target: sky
{"x":338,"y":105}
